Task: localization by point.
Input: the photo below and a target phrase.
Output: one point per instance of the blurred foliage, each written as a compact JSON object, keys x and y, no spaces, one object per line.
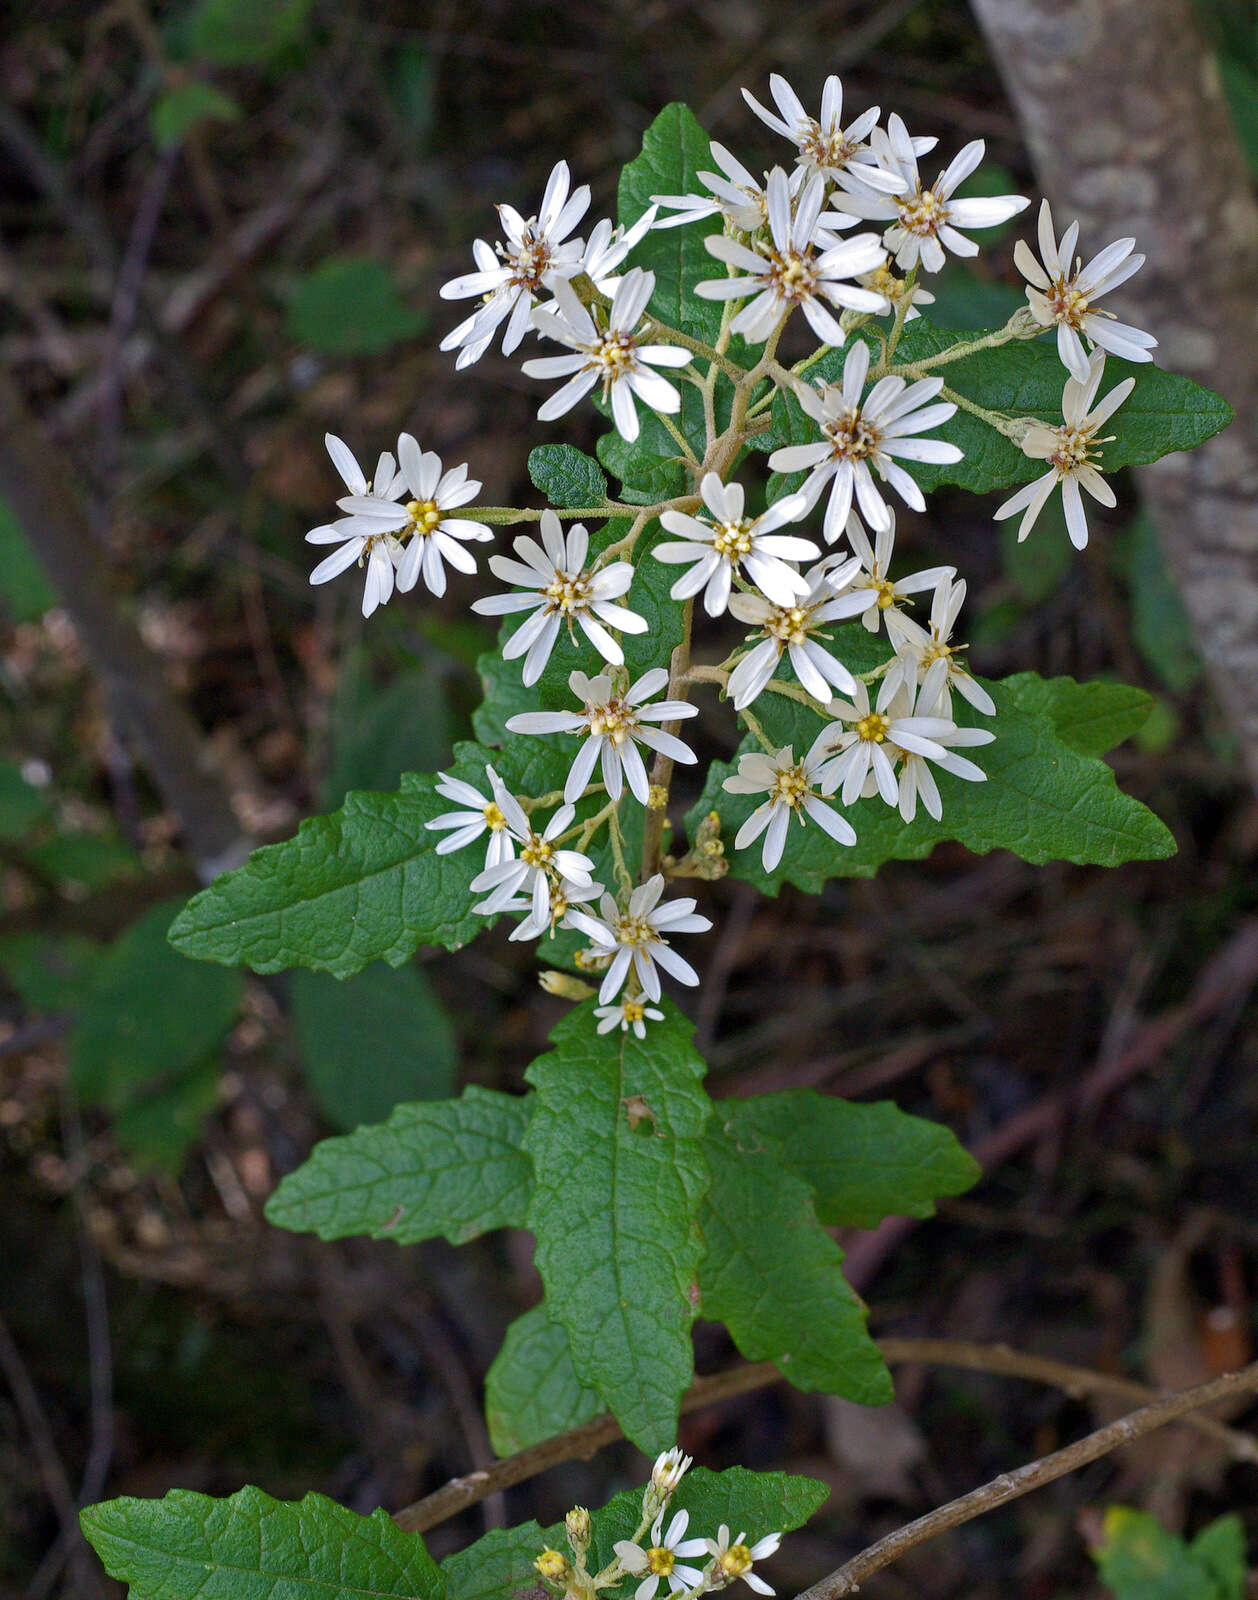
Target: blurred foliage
{"x":350,"y":306}
{"x":178,"y":110}
{"x":25,"y":593}
{"x":1140,"y":1560}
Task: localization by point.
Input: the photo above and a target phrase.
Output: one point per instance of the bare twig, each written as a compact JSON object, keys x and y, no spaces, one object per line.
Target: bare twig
{"x":581,"y":1443}
{"x":1010,"y":1485}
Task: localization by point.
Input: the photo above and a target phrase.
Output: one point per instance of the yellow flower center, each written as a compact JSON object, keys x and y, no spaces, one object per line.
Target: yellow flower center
{"x":494,"y":817}
{"x":1066,"y":303}
{"x":921,"y":213}
{"x":792,"y":275}
{"x":732,"y":539}
{"x":885,"y":592}
{"x":852,"y":436}
{"x":636,"y":931}
{"x":635,"y":1011}
{"x":873,"y":728}
{"x":537,"y":852}
{"x":735,"y":1561}
{"x":789,"y":624}
{"x":615,"y":721}
{"x":659,"y":1558}
{"x":1075,"y":449}
{"x":790,"y":787}
{"x":567,"y":594}
{"x":424,"y":517}
{"x":825,"y":149}
{"x":883,"y":281}
{"x":614,"y":353}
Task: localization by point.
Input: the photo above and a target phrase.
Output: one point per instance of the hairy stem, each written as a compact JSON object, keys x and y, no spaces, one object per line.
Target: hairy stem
{"x":662,"y":766}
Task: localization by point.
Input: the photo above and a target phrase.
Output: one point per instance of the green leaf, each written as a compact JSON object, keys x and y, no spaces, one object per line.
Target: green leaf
{"x":499,"y":1566}
{"x":567,"y":477}
{"x":862,"y":1162}
{"x":178,"y":110}
{"x":412,"y":77}
{"x":756,"y":1503}
{"x":1035,"y":566}
{"x":84,"y":860}
{"x":349,"y":306}
{"x":250,"y":1547}
{"x":49,"y":971}
{"x":532,"y":1391}
{"x":1042,"y":799}
{"x":1023,"y":378}
{"x":24,"y":590}
{"x":159,"y":1124}
{"x":241,"y":33}
{"x":674,"y":151}
{"x":619,"y":1174}
{"x":1090,"y":717}
{"x":372,"y":1041}
{"x":1240,"y":85}
{"x":363,"y":884}
{"x":774,"y":1277}
{"x":1160,"y":628}
{"x":1141,"y":1560}
{"x":452,"y":1167}
{"x":147,"y":1014}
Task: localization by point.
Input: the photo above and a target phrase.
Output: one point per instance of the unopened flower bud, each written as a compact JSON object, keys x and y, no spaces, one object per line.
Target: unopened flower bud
{"x":577,"y":1523}
{"x":564,"y":985}
{"x":657,"y":797}
{"x":553,"y":1565}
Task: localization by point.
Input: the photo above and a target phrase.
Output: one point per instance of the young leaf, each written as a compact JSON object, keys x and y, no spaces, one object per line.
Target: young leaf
{"x":532,"y":1391}
{"x":619,"y":1174}
{"x":862,"y":1162}
{"x":1042,"y":799}
{"x":253,"y":1546}
{"x":567,"y":477}
{"x":774,"y":1277}
{"x":452,"y":1167}
{"x":363,"y":884}
{"x":373,"y":1041}
{"x":1022,"y":379}
{"x":350,"y":306}
{"x":674,"y":151}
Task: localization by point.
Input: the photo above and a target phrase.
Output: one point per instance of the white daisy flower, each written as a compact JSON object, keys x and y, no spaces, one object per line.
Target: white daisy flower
{"x":607,"y":247}
{"x":731,"y":543}
{"x":734,"y":1559}
{"x":786,"y":271}
{"x":918,"y":781}
{"x":790,"y":786}
{"x":789,"y":629}
{"x":627,"y":1014}
{"x":566,"y":591}
{"x":859,"y":435}
{"x":735,"y":195}
{"x":482,"y":814}
{"x":638,"y":938}
{"x":613,"y":725}
{"x":422,"y":527}
{"x":608,"y":355}
{"x":510,"y":280}
{"x":564,"y":894}
{"x":1072,"y":453}
{"x":866,"y":742}
{"x":669,"y":1469}
{"x":918,"y":648}
{"x":924,"y":223}
{"x":893,"y":288}
{"x":659,"y":1561}
{"x":540,"y":864}
{"x":1064,"y":298}
{"x":867,"y":591}
{"x":376,"y":550}
{"x":826,"y":146}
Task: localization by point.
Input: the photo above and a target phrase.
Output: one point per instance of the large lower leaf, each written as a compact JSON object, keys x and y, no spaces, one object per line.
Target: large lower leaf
{"x":499,"y":1566}
{"x":619,"y":1175}
{"x":1042,"y":799}
{"x":862,"y":1162}
{"x":1090,"y":717}
{"x":774,"y":1277}
{"x":532,"y":1391}
{"x":452,"y":1167}
{"x":1024,"y":379}
{"x":251,"y":1547}
{"x":363,"y":884}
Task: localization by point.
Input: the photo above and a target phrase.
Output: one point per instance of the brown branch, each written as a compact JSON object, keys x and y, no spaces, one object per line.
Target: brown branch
{"x":1010,"y":1485}
{"x":582,"y":1442}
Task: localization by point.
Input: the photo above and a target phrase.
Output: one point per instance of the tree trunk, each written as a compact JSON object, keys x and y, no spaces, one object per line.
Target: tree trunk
{"x":1122,"y":107}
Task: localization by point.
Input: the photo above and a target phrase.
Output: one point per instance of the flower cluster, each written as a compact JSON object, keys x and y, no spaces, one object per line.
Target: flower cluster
{"x":656,"y":1554}
{"x":840,"y":231}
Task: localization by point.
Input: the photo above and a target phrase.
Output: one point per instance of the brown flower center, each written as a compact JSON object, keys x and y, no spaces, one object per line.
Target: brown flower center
{"x":852,"y":436}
